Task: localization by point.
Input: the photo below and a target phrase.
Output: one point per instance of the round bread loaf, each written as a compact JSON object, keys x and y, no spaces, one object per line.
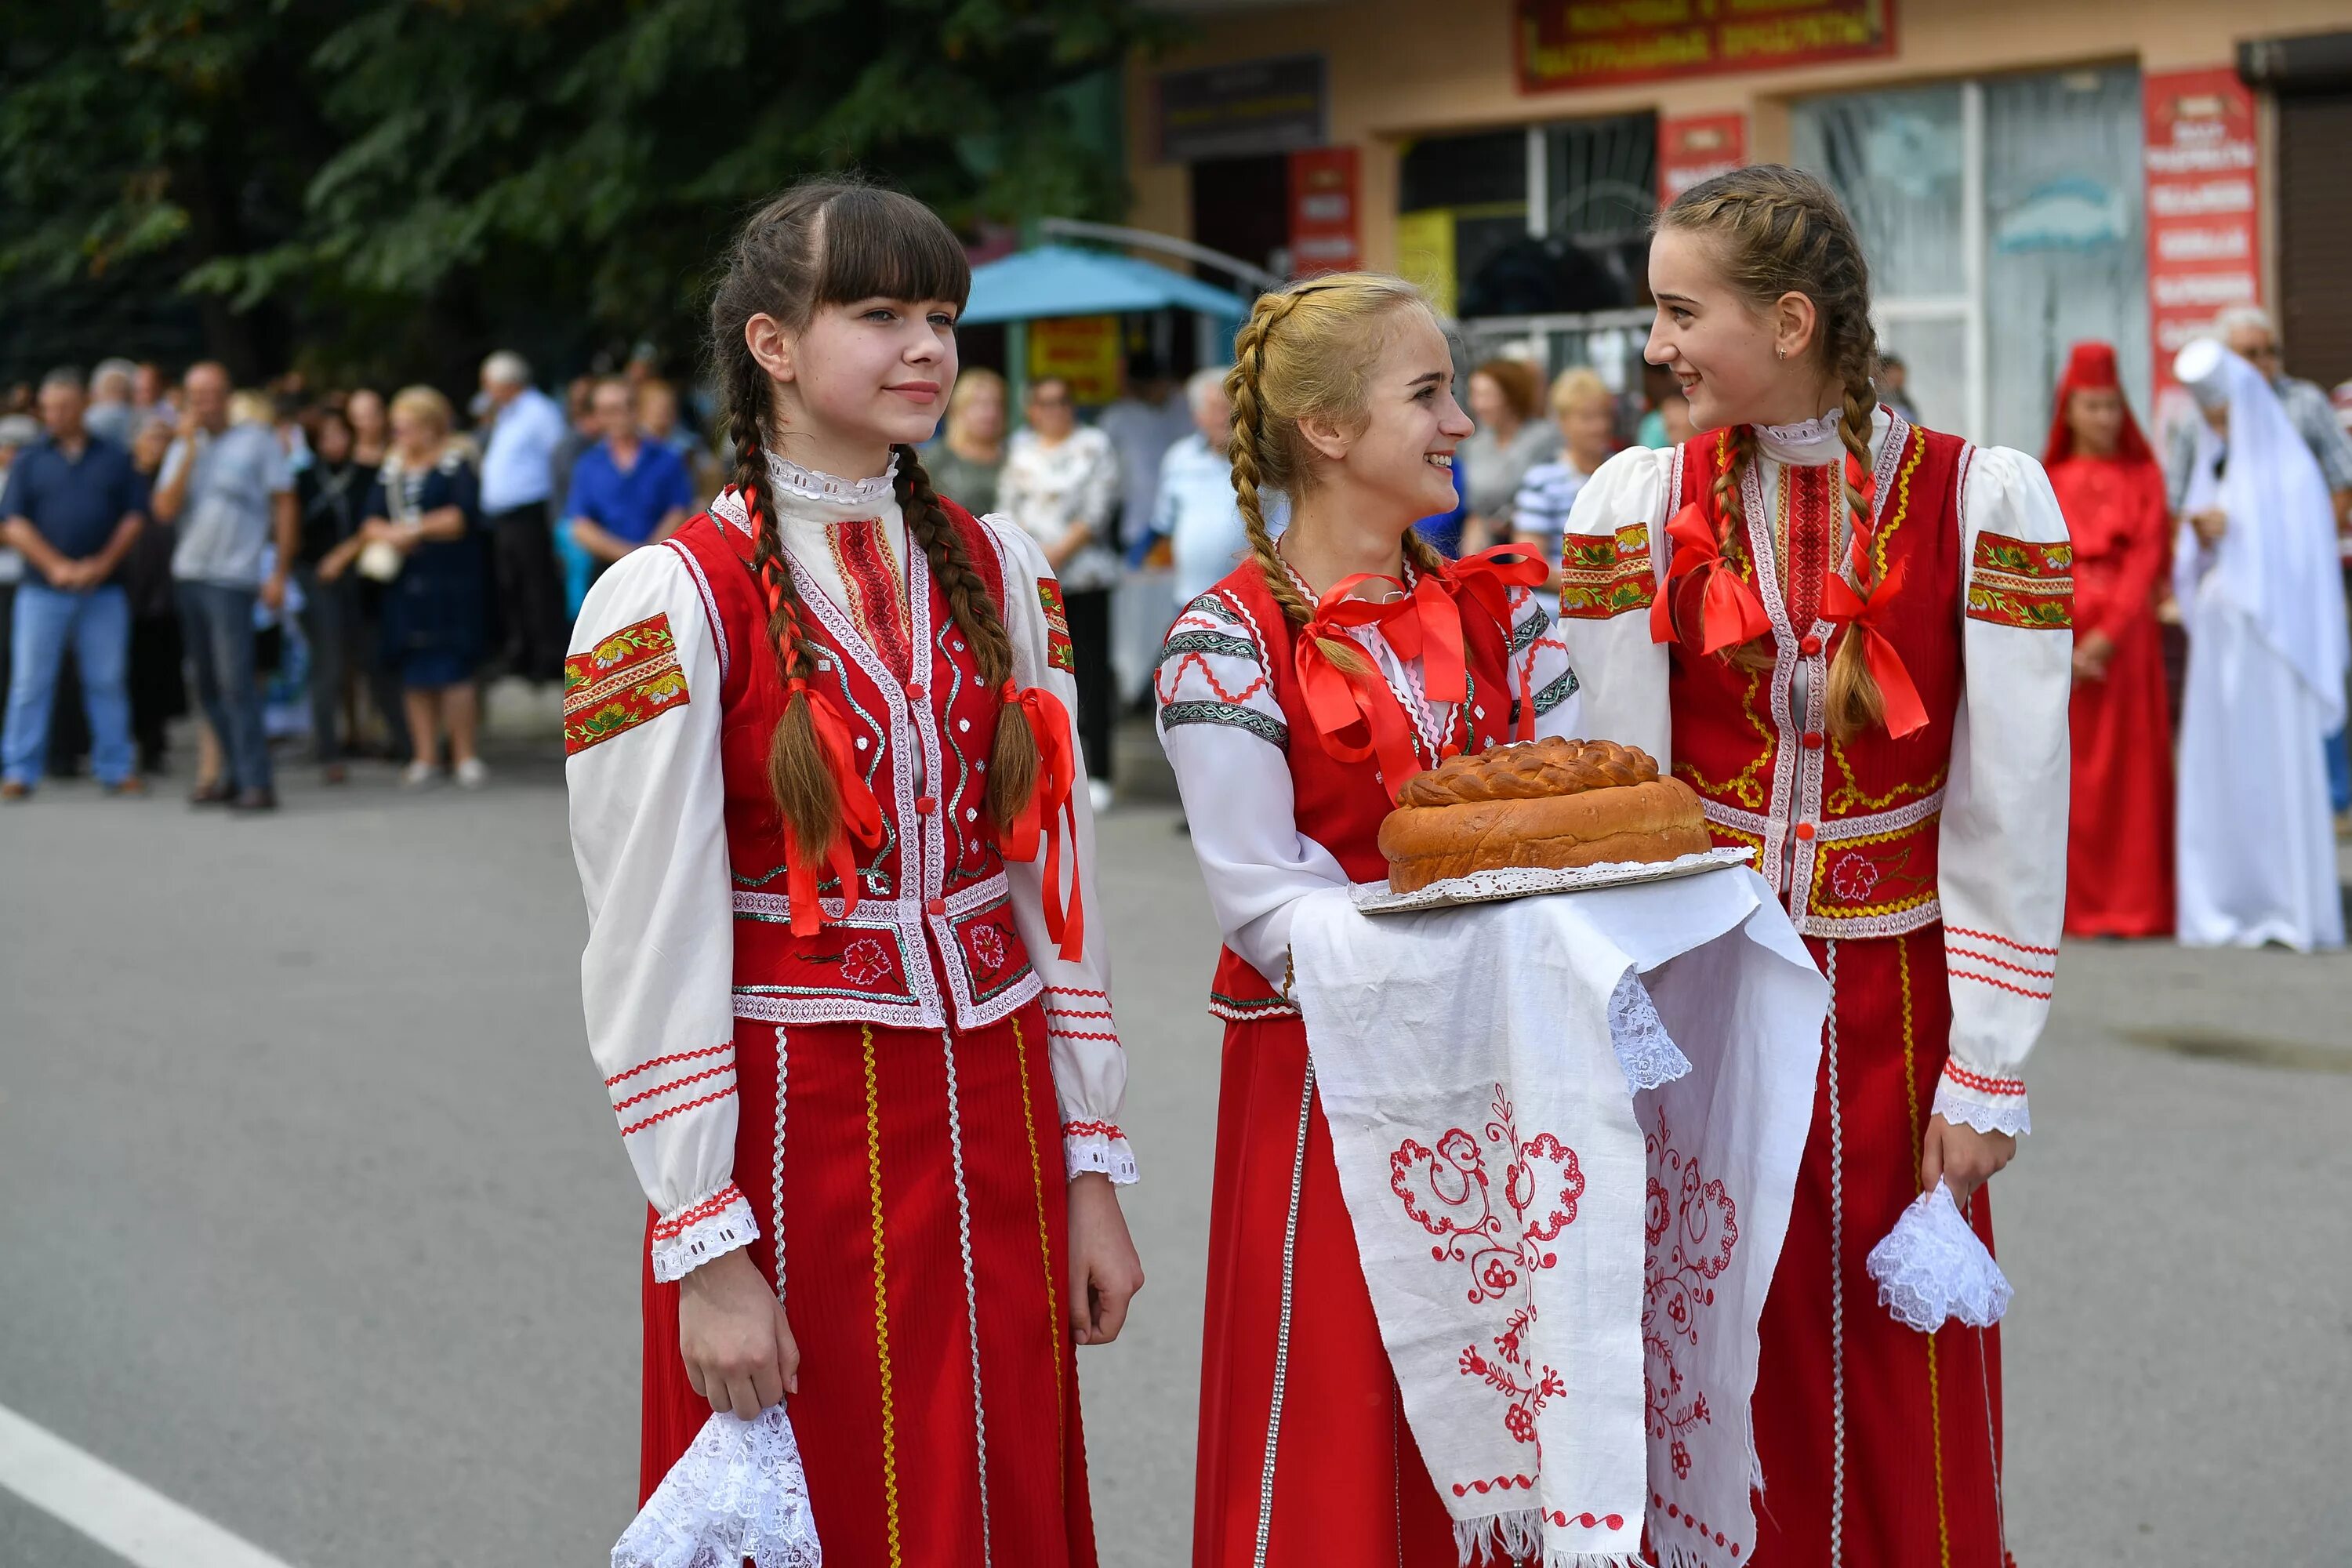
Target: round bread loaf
{"x":1547,"y":805}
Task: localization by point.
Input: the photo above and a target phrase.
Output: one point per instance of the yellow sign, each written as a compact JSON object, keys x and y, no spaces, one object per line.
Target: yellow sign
{"x":1425,"y":244}
{"x":1084,"y":350}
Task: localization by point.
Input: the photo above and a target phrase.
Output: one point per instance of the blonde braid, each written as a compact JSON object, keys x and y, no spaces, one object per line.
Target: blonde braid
{"x":1249,"y":434}
{"x":1852,"y":699}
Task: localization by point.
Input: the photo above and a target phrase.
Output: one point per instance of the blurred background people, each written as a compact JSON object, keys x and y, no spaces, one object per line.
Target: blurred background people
{"x":17,"y":431}
{"x":1197,"y":514}
{"x":628,"y":490}
{"x":1506,"y":399}
{"x":328,"y":492}
{"x":2110,"y":488}
{"x":1585,"y":415}
{"x":970,"y":454}
{"x":227,"y":492}
{"x":525,"y":427}
{"x":371,"y":428}
{"x":112,"y":415}
{"x":2255,"y":574}
{"x":1060,"y":483}
{"x":71,"y":509}
{"x":424,"y":520}
{"x":158,"y":677}
{"x":1893,"y":384}
{"x":1143,"y":422}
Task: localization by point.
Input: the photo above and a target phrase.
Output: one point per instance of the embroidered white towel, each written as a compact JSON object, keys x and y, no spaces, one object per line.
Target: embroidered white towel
{"x":737,"y":1493}
{"x":1933,"y":1266}
{"x":1567,"y":1128}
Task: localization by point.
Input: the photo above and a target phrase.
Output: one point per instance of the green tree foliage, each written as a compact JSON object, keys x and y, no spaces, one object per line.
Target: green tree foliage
{"x":379,"y":184}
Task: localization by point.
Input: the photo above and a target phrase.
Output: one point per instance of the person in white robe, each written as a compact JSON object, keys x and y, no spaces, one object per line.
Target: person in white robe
{"x":2255,"y":570}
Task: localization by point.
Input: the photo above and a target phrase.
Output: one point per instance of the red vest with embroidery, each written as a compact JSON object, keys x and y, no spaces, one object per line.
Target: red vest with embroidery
{"x":1341,"y":805}
{"x":1847,"y":831}
{"x":923,"y":724}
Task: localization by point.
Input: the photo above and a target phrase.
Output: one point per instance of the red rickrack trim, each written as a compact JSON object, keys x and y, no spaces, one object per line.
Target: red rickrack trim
{"x":1692,"y":1521}
{"x":1165,"y":682}
{"x":1078,"y":1034}
{"x":717,"y":1202}
{"x":1053,"y":1012}
{"x":1073,"y":991}
{"x":1968,"y":1079}
{"x":675,"y":1110}
{"x":662,"y":1061}
{"x":1088,"y":1128}
{"x":2005,"y":942}
{"x":1975,"y":957}
{"x":1499,"y":1484}
{"x":2000,"y":984}
{"x":1588,"y":1521}
{"x":660,"y":1089}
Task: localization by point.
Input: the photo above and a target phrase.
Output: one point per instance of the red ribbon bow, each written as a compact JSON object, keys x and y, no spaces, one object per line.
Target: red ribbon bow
{"x":1487,"y":579}
{"x":1356,"y":715}
{"x":1730,"y":611}
{"x":1051,"y":805}
{"x":1866,"y":617}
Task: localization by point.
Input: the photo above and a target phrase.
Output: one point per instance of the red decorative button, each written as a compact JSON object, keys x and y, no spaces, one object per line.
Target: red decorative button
{"x":915,"y":689}
{"x":1805,"y":831}
{"x":936,"y":907}
{"x":1808,"y":644}
{"x":1812,"y":739}
{"x":925,"y":805}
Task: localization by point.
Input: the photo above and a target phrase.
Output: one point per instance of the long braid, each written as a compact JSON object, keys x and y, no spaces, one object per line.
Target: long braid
{"x":1249,"y":436}
{"x":1853,"y":699}
{"x":1013,"y":760}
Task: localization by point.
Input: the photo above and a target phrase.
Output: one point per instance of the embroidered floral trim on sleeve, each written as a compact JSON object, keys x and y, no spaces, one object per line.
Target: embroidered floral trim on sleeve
{"x":1059,"y":652}
{"x":2016,"y":583}
{"x":1604,"y":577}
{"x":1985,"y":1102}
{"x":624,"y":681}
{"x":708,"y":1227}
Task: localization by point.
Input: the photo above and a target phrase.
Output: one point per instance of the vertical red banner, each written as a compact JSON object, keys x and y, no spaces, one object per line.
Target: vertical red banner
{"x":2204,"y":163}
{"x":1698,"y":147}
{"x":1326,"y":217}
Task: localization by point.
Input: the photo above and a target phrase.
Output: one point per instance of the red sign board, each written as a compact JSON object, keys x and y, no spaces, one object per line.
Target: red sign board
{"x":1576,"y":43}
{"x":1326,"y":232}
{"x":2204,"y":206}
{"x":1698,"y":148}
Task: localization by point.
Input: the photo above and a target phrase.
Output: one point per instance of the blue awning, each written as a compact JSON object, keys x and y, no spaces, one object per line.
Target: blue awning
{"x":1064,"y":280}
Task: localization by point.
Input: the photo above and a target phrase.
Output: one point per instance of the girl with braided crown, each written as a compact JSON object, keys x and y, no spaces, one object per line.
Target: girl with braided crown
{"x":1850,"y":635}
{"x":834,"y":837}
{"x":1295,"y":698}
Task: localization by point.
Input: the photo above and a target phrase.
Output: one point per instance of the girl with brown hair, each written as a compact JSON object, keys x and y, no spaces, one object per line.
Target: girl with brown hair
{"x":1850,"y":635}
{"x":834,"y":833}
{"x":1295,"y":698}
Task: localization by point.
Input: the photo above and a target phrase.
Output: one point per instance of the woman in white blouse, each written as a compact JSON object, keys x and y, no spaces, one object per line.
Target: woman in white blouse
{"x":1060,"y":483}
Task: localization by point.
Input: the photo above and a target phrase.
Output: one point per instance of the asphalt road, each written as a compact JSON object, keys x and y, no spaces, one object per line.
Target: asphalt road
{"x":311,"y":1216}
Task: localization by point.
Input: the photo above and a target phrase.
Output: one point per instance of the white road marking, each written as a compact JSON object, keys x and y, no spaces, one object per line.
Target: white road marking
{"x":122,"y":1514}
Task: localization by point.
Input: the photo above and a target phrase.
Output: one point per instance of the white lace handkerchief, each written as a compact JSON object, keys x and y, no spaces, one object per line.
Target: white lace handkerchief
{"x":737,"y":1493}
{"x":1932,"y":1267}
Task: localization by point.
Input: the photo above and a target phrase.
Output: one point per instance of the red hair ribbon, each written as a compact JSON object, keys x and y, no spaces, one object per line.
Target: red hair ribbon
{"x":1050,"y":813}
{"x":1865,"y":618}
{"x":1487,"y":579}
{"x":1864,"y":483}
{"x":861,"y":816}
{"x":1356,"y":715}
{"x":1729,"y":611}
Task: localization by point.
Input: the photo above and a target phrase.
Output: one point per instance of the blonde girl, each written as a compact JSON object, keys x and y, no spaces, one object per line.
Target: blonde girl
{"x":1342,"y":398}
{"x":834,"y":839}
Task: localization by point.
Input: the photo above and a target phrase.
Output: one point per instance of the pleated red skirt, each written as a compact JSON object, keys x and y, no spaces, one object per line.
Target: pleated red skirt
{"x":916,"y":1181}
{"x":1347,"y":1484}
{"x":1880,"y":1445}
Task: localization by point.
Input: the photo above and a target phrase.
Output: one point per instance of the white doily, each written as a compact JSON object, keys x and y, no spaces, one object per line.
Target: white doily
{"x":1521,"y":883}
{"x":737,"y":1493}
{"x":1644,"y":1048}
{"x":1932,"y":1267}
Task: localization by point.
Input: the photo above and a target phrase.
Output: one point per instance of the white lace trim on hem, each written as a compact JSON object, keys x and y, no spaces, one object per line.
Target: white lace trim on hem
{"x":1647,"y":1054}
{"x":1984,"y":1112}
{"x":713,"y":1236}
{"x":738,"y":1493}
{"x":1085,"y":1152}
{"x":1932,"y":1267}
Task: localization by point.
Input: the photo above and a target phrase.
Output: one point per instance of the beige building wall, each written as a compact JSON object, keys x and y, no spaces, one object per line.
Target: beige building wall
{"x":1402,"y":68}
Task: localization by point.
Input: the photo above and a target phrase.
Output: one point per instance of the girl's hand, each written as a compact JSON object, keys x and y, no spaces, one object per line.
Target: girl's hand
{"x":733,"y":1335}
{"x":1962,"y":1158}
{"x":1105,"y":1273}
{"x":2210,"y":525}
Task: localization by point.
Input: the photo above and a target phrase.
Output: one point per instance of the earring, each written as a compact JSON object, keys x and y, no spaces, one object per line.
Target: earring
{"x":1782,"y":352}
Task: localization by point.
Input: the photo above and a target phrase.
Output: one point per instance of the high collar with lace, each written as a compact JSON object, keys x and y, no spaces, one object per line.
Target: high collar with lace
{"x":786,"y":478}
{"x":1811,"y":442}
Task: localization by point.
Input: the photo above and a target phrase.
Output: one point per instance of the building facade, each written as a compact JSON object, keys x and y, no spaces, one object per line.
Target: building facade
{"x":2023,"y":172}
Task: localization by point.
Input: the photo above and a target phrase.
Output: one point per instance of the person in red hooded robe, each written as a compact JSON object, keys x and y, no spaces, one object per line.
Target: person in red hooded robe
{"x":2110,"y":489}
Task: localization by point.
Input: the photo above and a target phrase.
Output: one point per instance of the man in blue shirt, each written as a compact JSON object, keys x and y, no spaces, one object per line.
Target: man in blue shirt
{"x":626,"y":491}
{"x":72,"y":507}
{"x":525,"y":426}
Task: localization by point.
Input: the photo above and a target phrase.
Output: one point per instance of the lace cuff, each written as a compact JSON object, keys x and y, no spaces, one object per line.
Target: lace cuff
{"x":702,"y":1230}
{"x":737,"y":1495}
{"x":1985,"y":1101}
{"x":1098,"y":1146}
{"x":1647,"y":1055}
